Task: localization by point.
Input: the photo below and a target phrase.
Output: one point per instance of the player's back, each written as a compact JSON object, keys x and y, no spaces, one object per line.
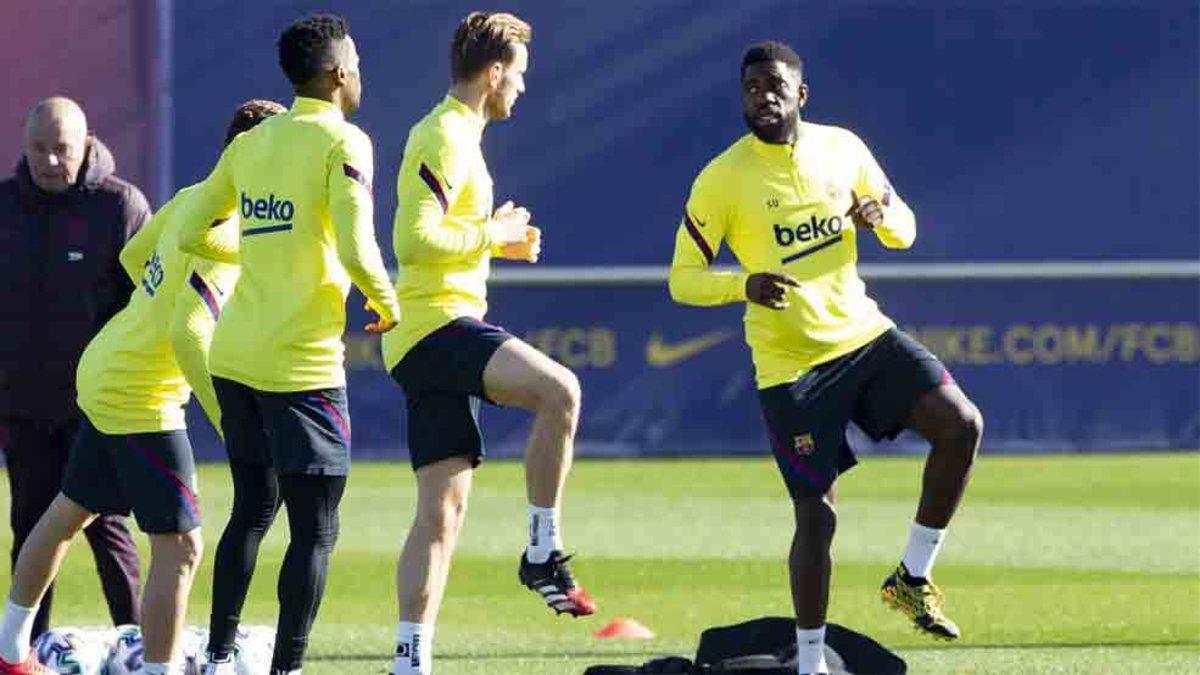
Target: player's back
{"x":281,"y":330}
{"x":128,"y":379}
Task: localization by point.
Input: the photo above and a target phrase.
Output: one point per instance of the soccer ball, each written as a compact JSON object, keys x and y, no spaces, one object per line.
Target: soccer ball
{"x":193,"y":640}
{"x":65,"y":651}
{"x":253,"y":650}
{"x":125,"y":656}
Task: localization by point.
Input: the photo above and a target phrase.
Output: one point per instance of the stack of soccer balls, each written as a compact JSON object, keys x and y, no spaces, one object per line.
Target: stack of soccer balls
{"x":97,"y":651}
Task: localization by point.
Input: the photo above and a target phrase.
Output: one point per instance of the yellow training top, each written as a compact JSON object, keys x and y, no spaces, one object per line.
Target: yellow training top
{"x":782,"y":208}
{"x":442,"y":245}
{"x":301,"y":182}
{"x":136,"y":375}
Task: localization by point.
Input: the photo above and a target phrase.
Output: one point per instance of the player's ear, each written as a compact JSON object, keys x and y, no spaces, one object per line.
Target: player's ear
{"x":495,"y":74}
{"x":802,"y":95}
{"x":339,"y":75}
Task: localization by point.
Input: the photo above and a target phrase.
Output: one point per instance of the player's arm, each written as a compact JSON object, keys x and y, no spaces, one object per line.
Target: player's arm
{"x":137,"y":251}
{"x":352,"y":213}
{"x":426,"y":187}
{"x":195,"y":317}
{"x":697,"y":243}
{"x":878,"y":207}
{"x":206,"y":229}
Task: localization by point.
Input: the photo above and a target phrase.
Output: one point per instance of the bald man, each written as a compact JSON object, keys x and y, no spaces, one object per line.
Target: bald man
{"x":64,"y":217}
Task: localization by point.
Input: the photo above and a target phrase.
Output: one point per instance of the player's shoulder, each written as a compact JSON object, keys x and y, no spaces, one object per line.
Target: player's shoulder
{"x":167,"y":211}
{"x":834,"y":137}
{"x":344,"y":132}
{"x":720,"y":169}
{"x":445,"y":127}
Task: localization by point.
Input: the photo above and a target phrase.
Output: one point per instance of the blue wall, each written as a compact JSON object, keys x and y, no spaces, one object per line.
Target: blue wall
{"x":1018,"y":132}
{"x":1022,"y":131}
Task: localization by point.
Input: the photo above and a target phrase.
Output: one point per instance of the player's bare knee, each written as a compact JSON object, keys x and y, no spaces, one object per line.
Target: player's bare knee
{"x":181,"y":551}
{"x":815,"y":514}
{"x":443,"y":522}
{"x":560,"y":396}
{"x":966,"y":430}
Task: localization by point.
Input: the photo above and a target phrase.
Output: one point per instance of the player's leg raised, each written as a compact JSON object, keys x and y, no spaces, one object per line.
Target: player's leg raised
{"x":519,"y":375}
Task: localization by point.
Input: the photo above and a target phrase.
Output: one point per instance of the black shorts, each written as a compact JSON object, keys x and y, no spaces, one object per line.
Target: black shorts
{"x":875,"y":386}
{"x":442,"y":378}
{"x":153,"y":475}
{"x":304,"y":432}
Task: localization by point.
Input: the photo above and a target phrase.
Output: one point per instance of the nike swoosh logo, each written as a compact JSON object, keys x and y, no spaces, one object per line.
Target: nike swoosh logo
{"x":662,"y":355}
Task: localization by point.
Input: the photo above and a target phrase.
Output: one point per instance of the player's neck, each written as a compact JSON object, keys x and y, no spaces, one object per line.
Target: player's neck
{"x":320,"y":94}
{"x":470,"y":95}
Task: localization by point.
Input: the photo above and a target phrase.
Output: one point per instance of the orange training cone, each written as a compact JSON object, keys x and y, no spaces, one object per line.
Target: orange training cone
{"x":624,"y":628}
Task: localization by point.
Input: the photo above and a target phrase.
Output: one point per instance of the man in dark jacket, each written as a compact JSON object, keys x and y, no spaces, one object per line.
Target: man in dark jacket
{"x":64,"y":217}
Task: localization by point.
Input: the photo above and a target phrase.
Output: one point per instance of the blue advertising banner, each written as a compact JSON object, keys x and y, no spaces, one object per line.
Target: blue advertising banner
{"x":1054,"y":366}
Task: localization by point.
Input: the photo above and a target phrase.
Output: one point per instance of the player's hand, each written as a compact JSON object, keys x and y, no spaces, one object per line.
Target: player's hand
{"x":527,"y":251}
{"x":508,"y":225}
{"x":866,"y":211}
{"x":380,"y":324}
{"x":769,"y":289}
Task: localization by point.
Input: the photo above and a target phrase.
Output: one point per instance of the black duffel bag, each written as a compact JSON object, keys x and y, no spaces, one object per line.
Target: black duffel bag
{"x":767,"y":646}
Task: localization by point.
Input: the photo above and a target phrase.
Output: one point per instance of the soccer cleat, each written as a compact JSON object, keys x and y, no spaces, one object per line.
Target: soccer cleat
{"x":30,"y":666}
{"x":554,"y":582}
{"x":921,"y":602}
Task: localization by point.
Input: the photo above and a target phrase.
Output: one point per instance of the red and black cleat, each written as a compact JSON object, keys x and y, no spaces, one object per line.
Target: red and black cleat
{"x":554,"y":582}
{"x":30,"y":666}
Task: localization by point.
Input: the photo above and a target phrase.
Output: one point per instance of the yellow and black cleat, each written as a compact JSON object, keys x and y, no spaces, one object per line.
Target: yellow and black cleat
{"x":921,"y":601}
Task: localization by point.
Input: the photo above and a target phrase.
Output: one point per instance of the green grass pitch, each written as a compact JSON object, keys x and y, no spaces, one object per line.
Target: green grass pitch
{"x":1055,"y":564}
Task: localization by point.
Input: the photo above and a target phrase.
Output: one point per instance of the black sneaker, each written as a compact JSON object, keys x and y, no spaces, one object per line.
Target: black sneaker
{"x":553,"y":581}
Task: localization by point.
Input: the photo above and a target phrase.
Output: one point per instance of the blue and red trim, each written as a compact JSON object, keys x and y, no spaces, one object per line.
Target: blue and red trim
{"x":357,"y":176}
{"x":798,"y":463}
{"x":189,"y":497}
{"x":335,"y":416}
{"x":206,"y":294}
{"x":701,"y":244}
{"x":434,"y":185}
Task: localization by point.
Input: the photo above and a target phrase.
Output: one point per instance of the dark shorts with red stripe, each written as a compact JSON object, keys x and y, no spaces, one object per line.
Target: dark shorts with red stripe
{"x":302,"y":432}
{"x":442,"y":378}
{"x":875,"y":386}
{"x":153,"y":475}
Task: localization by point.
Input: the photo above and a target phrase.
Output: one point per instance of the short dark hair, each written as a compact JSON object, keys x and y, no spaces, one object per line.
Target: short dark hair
{"x":772,"y":51}
{"x":484,"y":38}
{"x":249,"y":114}
{"x":305,"y":43}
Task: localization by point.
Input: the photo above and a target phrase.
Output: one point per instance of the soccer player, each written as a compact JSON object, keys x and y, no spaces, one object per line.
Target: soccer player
{"x":791,"y":199}
{"x":301,"y":183}
{"x":132,"y":451}
{"x":447,"y":359}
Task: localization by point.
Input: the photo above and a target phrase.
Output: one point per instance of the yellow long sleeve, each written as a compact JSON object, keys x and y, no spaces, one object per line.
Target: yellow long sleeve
{"x":137,"y":251}
{"x":207,"y":230}
{"x":426,"y":229}
{"x":692,"y":281}
{"x":197,"y":308}
{"x":352,"y":216}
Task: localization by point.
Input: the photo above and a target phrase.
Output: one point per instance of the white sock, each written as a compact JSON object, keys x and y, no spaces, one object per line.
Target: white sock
{"x":543,"y":534}
{"x":810,"y":650}
{"x":156,"y":669}
{"x":16,"y":632}
{"x":414,"y":649}
{"x":225,"y":667}
{"x":923,"y":546}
